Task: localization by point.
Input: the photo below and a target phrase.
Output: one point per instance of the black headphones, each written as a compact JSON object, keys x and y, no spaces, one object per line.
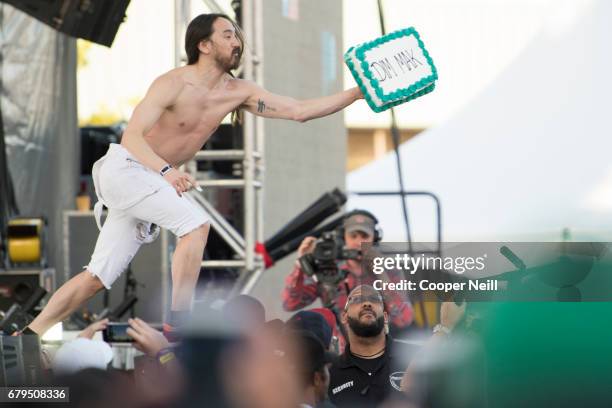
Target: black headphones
{"x":378,"y":233}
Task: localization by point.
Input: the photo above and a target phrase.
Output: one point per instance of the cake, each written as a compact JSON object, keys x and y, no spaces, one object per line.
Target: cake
{"x":392,"y":69}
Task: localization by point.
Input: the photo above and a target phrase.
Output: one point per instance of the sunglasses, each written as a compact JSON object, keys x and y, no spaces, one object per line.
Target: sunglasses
{"x":353,"y":300}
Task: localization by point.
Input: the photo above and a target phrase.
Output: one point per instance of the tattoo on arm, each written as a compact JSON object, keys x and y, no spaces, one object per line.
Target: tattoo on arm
{"x":262,"y":107}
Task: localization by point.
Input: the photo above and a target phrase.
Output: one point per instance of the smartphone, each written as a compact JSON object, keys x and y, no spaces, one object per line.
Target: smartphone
{"x":117,"y":333}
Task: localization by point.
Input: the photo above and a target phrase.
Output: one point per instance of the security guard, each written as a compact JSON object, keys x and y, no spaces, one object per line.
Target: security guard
{"x":370,"y":369}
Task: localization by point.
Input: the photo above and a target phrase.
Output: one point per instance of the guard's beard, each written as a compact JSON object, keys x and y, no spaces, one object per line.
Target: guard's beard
{"x":372,"y":329}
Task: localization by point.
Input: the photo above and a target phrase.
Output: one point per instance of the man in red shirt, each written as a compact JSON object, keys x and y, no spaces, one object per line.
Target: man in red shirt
{"x":301,"y":290}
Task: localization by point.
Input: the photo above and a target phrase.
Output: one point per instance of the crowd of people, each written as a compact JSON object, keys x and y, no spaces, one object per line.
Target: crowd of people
{"x":234,"y":357}
{"x":355,"y":352}
{"x":229,"y":354}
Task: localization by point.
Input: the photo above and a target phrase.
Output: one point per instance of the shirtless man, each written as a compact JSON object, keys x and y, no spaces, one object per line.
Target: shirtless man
{"x":139,"y":180}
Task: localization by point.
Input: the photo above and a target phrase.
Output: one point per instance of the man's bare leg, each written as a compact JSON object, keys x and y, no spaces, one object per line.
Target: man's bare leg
{"x":185,"y":271}
{"x":186,"y":264}
{"x":66,"y":300}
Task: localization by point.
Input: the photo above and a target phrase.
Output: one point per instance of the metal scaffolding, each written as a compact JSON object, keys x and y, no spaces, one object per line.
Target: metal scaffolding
{"x":252,"y":157}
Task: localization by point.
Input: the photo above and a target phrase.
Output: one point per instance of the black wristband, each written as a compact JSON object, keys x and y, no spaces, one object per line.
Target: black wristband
{"x":165,"y":170}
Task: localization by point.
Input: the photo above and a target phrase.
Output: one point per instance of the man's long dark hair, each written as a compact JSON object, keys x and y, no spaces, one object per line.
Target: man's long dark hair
{"x":200,"y":29}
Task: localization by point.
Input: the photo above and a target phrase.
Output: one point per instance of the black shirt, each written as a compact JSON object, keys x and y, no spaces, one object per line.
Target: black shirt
{"x":369,"y":365}
{"x":358,"y":382}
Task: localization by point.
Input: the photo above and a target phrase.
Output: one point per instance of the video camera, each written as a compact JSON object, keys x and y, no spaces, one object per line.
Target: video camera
{"x":322,"y":263}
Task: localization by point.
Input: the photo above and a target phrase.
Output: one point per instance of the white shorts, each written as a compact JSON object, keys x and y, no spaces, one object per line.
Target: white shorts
{"x":136,"y":196}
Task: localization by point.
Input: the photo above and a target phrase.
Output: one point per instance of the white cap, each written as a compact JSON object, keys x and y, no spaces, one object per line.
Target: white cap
{"x":82,"y":353}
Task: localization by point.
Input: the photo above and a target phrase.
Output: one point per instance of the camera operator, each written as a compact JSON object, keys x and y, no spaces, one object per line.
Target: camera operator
{"x":301,"y":290}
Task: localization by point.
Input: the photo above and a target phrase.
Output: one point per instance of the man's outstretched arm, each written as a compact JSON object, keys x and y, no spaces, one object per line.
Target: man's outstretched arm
{"x":264,"y":103}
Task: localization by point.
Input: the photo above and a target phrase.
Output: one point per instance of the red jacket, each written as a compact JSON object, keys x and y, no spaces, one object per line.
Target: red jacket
{"x":301,"y":290}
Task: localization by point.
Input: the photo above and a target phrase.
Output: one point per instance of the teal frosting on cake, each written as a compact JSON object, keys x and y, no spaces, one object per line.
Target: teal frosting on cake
{"x":413,"y":91}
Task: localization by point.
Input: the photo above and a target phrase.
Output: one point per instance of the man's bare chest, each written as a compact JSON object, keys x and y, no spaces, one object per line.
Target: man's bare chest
{"x":195,"y":110}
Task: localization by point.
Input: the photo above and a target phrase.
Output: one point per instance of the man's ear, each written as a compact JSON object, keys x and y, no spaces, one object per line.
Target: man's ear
{"x":205,"y":47}
{"x":318,"y":379}
{"x":344,"y":317}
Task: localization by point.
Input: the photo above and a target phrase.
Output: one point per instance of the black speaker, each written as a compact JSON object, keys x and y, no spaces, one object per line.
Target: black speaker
{"x":12,"y":371}
{"x":95,"y":141}
{"x":93,"y":20}
{"x":32,"y":367}
{"x":20,"y":363}
{"x":226,"y":137}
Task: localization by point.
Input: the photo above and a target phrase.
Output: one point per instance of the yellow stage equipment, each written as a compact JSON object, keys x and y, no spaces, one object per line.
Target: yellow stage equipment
{"x":25,"y":242}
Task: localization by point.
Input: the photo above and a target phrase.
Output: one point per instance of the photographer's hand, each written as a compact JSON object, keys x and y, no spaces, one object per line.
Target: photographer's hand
{"x":146,"y":338}
{"x":91,"y":330}
{"x":307,"y":246}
